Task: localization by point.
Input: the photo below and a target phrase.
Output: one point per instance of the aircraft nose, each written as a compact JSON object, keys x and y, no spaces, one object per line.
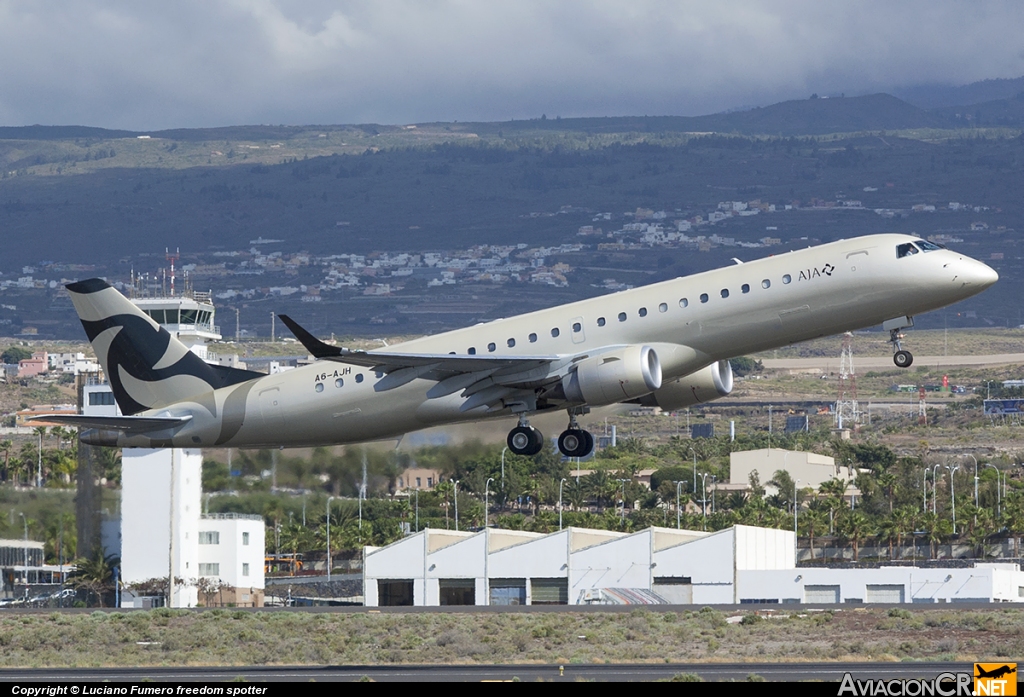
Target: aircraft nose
{"x":980,"y":275}
{"x":973,"y":273}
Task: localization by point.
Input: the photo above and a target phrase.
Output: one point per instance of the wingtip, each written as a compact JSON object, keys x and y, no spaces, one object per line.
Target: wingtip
{"x":316,"y":347}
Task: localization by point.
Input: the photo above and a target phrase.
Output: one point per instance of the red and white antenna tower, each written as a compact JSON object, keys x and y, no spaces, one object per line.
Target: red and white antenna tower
{"x":172,"y":258}
{"x":847,"y":410}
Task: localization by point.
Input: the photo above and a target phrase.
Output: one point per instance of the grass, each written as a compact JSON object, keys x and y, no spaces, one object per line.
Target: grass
{"x":222,"y":637}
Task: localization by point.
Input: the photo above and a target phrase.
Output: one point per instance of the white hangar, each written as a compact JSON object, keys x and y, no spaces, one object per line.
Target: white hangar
{"x":575,"y":566}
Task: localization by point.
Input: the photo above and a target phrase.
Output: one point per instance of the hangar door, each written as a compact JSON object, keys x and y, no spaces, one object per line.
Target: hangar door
{"x":884,"y":593}
{"x":508,"y":591}
{"x":677,"y":590}
{"x":821,"y":595}
{"x":391,"y":593}
{"x":457,"y":591}
{"x":549,"y":591}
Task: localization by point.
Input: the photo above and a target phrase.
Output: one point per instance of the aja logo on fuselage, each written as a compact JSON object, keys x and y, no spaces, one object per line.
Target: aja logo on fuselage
{"x":808,"y":274}
{"x":995,"y":679}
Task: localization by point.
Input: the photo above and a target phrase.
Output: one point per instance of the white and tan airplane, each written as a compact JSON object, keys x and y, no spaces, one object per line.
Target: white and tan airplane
{"x":665,"y":344}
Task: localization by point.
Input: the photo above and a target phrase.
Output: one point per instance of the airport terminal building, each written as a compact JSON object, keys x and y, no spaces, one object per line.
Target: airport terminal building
{"x":575,"y":566}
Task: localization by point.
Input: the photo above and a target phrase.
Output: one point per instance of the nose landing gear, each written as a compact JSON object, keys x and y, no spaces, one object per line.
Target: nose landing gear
{"x":901,"y":357}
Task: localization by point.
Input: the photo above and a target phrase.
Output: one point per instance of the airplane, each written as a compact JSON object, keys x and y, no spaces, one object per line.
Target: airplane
{"x":667,"y":344}
{"x":995,"y":672}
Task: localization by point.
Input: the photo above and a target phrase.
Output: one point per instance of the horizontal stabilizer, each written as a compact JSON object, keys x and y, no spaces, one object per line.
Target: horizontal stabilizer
{"x":126,"y":424}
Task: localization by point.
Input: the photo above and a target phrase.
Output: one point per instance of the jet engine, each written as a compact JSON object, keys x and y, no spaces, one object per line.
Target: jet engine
{"x":706,"y":384}
{"x":612,"y":377}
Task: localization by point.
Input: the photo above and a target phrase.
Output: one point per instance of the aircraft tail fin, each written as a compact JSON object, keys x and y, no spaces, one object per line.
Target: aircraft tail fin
{"x":146,"y":366}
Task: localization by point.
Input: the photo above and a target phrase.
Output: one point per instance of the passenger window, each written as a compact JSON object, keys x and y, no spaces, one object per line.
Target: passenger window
{"x":577,"y":327}
{"x":491,"y":347}
{"x":787,"y":278}
{"x":745,"y":288}
{"x":622,"y":316}
{"x":905,"y":250}
{"x":471,"y":351}
{"x":511,"y":343}
{"x":600,"y":321}
{"x":663,"y":307}
{"x":725,"y":292}
{"x":643,"y":311}
{"x":766,"y":283}
{"x":683,"y":302}
{"x":533,"y":338}
{"x":555,"y":332}
{"x":703,"y":297}
{"x":359,"y":377}
{"x":340,"y":382}
{"x":319,"y":387}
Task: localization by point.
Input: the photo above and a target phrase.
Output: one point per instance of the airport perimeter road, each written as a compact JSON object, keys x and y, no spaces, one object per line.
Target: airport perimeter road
{"x":831,"y":363}
{"x":789,"y":672}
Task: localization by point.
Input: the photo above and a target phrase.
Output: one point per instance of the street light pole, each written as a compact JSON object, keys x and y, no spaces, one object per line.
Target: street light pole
{"x":679,"y":484}
{"x":455,"y":496}
{"x":952,"y":493}
{"x":704,"y":497}
{"x":39,"y":469}
{"x":694,"y":469}
{"x":25,"y":521}
{"x":796,"y":530}
{"x":935,"y":488}
{"x":924,"y":490}
{"x":560,"y":502}
{"x":503,"y":450}
{"x":417,"y":510}
{"x":486,"y":492}
{"x":329,"y":499}
{"x":999,"y":498}
{"x":623,"y":482}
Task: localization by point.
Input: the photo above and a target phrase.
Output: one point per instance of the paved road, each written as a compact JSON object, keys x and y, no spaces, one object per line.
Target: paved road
{"x":831,"y":363}
{"x":829,"y":672}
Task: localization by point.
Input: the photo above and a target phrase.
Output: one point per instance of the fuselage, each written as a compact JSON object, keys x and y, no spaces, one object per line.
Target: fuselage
{"x":719,"y":314}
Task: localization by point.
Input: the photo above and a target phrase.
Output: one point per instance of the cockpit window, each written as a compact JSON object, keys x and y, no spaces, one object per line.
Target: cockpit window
{"x":906,"y":250}
{"x":929,"y":246}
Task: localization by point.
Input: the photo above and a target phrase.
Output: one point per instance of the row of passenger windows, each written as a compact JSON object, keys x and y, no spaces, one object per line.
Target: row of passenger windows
{"x":577,"y":327}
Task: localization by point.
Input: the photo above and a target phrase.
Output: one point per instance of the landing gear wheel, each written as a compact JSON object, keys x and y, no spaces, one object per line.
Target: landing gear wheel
{"x":575,"y":442}
{"x":903,"y":359}
{"x":525,"y":440}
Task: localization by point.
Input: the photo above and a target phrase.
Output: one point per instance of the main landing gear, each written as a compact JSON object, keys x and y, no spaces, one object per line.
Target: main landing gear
{"x":574,"y":441}
{"x":524,"y":439}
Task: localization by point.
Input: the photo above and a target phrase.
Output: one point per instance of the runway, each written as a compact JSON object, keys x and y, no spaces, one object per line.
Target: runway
{"x":712,"y":672}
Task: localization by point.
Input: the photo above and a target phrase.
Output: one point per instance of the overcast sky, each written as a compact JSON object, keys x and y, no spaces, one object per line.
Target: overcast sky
{"x":145,"y":65}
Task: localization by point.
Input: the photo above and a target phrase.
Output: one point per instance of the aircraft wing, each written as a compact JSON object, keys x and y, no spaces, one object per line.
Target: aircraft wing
{"x":126,"y":424}
{"x":486,"y":380}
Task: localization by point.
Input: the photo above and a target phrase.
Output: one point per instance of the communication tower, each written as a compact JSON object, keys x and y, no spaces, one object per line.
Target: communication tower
{"x":847,"y":412}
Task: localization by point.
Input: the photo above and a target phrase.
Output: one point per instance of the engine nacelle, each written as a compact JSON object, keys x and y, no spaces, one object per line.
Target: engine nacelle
{"x":706,"y":384}
{"x":612,"y":377}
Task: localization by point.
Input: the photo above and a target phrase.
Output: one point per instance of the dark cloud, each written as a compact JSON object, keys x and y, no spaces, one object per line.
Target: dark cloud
{"x":148,"y":65}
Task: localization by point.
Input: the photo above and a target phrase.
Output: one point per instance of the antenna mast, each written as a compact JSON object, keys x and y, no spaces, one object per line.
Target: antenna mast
{"x":846,"y":401}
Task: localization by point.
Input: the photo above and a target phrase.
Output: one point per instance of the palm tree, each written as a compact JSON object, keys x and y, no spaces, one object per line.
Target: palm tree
{"x":855,"y":527}
{"x":95,"y":576}
{"x":813,"y":522}
{"x":1013,"y":518}
{"x":888,"y":481}
{"x":6,"y":445}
